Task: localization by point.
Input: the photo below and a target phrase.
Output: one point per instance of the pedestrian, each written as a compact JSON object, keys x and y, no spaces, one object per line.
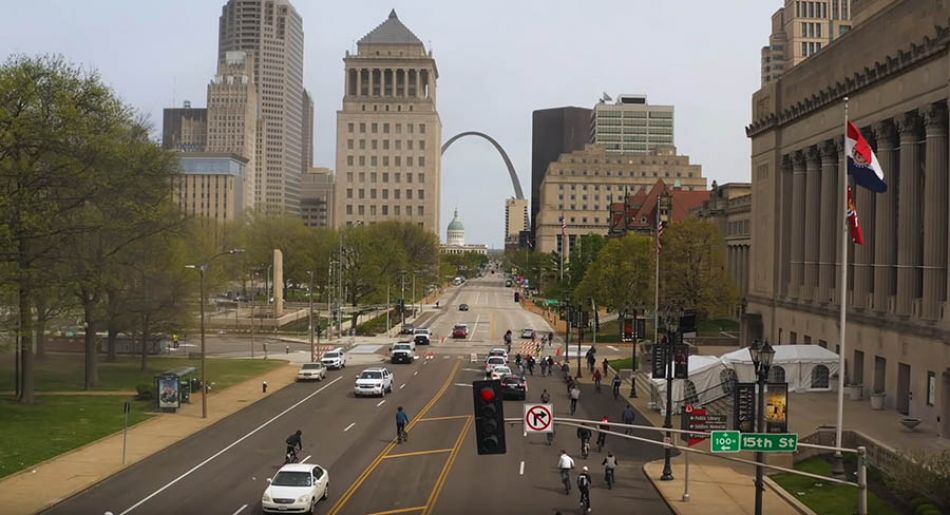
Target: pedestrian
{"x":545,"y":396}
{"x":583,"y":484}
{"x":518,"y":359}
{"x":550,"y":365}
{"x":550,"y":338}
{"x":628,"y":417}
{"x":591,"y":358}
{"x":616,"y":386}
{"x":531,"y":363}
{"x":575,"y":396}
{"x":570,"y":384}
{"x":597,"y":379}
{"x":606,"y":365}
{"x":544,"y":367}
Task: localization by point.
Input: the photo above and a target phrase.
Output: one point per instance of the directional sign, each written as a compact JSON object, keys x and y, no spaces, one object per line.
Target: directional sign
{"x":725,"y":441}
{"x":769,"y":442}
{"x":538,"y":418}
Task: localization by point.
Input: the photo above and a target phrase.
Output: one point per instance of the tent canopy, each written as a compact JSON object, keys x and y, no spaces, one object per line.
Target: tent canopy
{"x":803,"y":367}
{"x":704,"y":383}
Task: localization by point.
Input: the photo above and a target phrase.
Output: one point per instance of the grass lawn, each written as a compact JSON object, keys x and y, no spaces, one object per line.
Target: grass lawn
{"x":620,"y":364}
{"x":31,"y":434}
{"x":828,"y":498}
{"x":714,"y":326}
{"x":64,"y":372}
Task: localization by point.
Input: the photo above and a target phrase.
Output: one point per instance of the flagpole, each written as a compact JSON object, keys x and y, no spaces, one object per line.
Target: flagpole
{"x":656,"y":288}
{"x":838,"y":464}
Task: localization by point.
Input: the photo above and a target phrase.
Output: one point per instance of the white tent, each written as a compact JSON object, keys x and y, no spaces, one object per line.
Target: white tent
{"x":806,"y":368}
{"x":704,"y":384}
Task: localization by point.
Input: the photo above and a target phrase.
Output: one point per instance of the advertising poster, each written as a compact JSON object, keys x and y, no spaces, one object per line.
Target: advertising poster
{"x":776,"y":408}
{"x":681,"y":361}
{"x":168,"y":392}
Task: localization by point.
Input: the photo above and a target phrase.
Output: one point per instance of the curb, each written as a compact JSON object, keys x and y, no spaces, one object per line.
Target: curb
{"x":657,"y":490}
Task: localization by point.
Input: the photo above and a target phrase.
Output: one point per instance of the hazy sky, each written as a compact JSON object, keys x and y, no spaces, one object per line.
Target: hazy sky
{"x":498,"y":61}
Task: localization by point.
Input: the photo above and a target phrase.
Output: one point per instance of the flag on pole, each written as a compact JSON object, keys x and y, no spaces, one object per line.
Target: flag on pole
{"x":659,"y":233}
{"x":857,"y":234}
{"x":862,"y":163}
{"x":563,"y":224}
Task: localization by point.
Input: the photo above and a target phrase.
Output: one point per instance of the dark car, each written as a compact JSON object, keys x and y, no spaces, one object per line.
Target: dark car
{"x":407,"y":329}
{"x":508,"y":283}
{"x":421,"y":339}
{"x":514,"y":388}
{"x":401,"y":357}
{"x":463,"y":307}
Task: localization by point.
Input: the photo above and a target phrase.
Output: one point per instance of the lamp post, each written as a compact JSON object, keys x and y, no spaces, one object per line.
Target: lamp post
{"x":201,"y":271}
{"x":313,"y":349}
{"x":668,"y":420}
{"x":762,"y":354}
{"x":633,"y":355}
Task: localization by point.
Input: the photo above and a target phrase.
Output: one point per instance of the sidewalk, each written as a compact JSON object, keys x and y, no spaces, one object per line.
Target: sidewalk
{"x":715,"y":485}
{"x":56,"y":479}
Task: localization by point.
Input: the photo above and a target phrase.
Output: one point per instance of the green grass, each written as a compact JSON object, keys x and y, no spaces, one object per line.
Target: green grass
{"x":620,"y":364}
{"x":828,"y":498}
{"x":65,"y":372}
{"x":713,"y":327}
{"x":54,"y":425}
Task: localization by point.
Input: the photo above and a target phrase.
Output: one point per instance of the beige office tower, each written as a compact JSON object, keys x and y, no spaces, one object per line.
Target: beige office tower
{"x":801,"y":29}
{"x":232,"y":116}
{"x":271,"y":32}
{"x":388,"y":132}
{"x":516,"y":220}
{"x":631,"y":125}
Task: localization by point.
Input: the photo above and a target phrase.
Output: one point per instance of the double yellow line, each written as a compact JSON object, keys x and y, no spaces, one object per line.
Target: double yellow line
{"x":430,"y":503}
{"x":345,"y":498}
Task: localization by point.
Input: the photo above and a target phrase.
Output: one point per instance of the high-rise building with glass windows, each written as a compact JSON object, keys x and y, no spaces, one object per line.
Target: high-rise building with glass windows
{"x":800,"y":29}
{"x":631,"y":125}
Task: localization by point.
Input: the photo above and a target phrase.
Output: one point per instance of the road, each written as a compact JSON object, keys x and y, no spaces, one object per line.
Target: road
{"x":223,"y":469}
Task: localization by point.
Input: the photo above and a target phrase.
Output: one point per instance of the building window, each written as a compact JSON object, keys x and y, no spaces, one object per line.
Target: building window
{"x":398,"y":144}
{"x":397,"y":161}
{"x":396,"y":210}
{"x":408,"y":177}
{"x":421,"y":210}
{"x":931,"y":388}
{"x":372,"y":161}
{"x":362,"y":128}
{"x":385,"y":128}
{"x":820,"y":377}
{"x":385,"y":195}
{"x":396,"y":194}
{"x":422,"y":128}
{"x":349,"y":193}
{"x":362,"y":160}
{"x":421,"y":194}
{"x":361,"y":209}
{"x":349,"y":160}
{"x":374,"y":128}
{"x":372,"y":210}
{"x":349,"y":209}
{"x":361,"y":193}
{"x":408,"y":160}
{"x":349,"y":128}
{"x":385,"y":144}
{"x":422,"y":161}
{"x":374,"y":145}
{"x":398,"y":128}
{"x":372,"y":193}
{"x":349,"y":144}
{"x":385,"y":207}
{"x":409,"y":194}
{"x":362,"y":144}
{"x":409,"y":144}
{"x":421,"y":177}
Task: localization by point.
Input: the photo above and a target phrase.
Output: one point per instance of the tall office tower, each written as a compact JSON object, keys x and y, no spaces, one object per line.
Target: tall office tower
{"x":388,"y":158}
{"x":516,"y":221}
{"x":316,"y":197}
{"x":631,"y":125}
{"x":232,"y":116}
{"x":306,"y":144}
{"x":185,"y":128}
{"x":554,"y":132}
{"x":271,"y":32}
{"x":801,"y":29}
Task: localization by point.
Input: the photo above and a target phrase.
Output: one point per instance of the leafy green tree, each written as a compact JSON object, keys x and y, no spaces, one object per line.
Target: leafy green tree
{"x":693,"y":274}
{"x":620,"y":278}
{"x":583,"y":255}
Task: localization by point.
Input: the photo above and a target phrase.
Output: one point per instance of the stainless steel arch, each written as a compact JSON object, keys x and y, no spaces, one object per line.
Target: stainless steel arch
{"x":511,"y":169}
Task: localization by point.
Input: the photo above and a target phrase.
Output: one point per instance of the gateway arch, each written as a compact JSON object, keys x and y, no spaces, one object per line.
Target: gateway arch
{"x":515,"y":183}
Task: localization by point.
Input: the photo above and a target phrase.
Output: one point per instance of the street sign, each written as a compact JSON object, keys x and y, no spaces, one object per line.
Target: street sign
{"x":725,"y":441}
{"x":769,"y":442}
{"x":697,"y":419}
{"x":538,"y":418}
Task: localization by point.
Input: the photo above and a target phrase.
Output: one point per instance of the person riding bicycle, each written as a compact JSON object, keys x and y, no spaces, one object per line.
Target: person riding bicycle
{"x":564,"y":464}
{"x":601,"y":435}
{"x":610,"y":466}
{"x":401,"y":420}
{"x":597,"y":379}
{"x":293,"y":443}
{"x":545,"y":397}
{"x":583,"y":484}
{"x":584,"y":435}
{"x":616,"y":386}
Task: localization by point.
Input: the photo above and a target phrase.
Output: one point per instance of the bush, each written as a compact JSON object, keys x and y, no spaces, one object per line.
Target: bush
{"x":922,"y":475}
{"x":143,"y":392}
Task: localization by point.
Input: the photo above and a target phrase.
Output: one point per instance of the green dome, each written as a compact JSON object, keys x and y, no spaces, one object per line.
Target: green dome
{"x":455,"y":224}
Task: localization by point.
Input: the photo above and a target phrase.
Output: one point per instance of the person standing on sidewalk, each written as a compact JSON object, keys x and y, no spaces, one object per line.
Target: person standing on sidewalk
{"x":575,"y":396}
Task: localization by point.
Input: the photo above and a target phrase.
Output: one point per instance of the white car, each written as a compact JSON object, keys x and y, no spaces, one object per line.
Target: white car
{"x":498,"y":351}
{"x":335,"y":358}
{"x":373,"y":381}
{"x":494,"y":361}
{"x":500,"y":371}
{"x":311,"y":371}
{"x":422,"y":330}
{"x":296,"y":488}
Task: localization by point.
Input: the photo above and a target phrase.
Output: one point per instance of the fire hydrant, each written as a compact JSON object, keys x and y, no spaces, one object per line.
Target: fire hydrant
{"x":287,"y":349}
{"x":264,"y":387}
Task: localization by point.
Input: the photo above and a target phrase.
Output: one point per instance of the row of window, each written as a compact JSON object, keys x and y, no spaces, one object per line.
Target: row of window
{"x":811,"y":29}
{"x":385,"y":210}
{"x":375,"y":126}
{"x":636,"y":138}
{"x":811,"y":10}
{"x":375,"y":176}
{"x":634,"y":114}
{"x":374,"y":161}
{"x":385,"y":144}
{"x":810,"y":48}
{"x":738,"y":228}
{"x":622,"y":174}
{"x":634,"y":123}
{"x":361,"y":194}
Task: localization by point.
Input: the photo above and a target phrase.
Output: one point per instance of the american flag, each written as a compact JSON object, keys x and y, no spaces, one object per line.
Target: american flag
{"x":659,"y":233}
{"x":563,"y":224}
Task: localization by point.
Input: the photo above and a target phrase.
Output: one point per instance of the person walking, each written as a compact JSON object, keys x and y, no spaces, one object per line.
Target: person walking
{"x":531,"y":363}
{"x":597,"y":379}
{"x":616,"y":386}
{"x":544,"y":367}
{"x":591,"y":358}
{"x":575,"y":396}
{"x":606,"y":365}
{"x":550,"y":338}
{"x":628,"y":416}
{"x":583,"y":484}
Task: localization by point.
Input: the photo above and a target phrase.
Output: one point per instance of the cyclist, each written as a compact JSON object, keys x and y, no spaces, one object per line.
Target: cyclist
{"x":597,"y":379}
{"x":601,"y":435}
{"x":616,"y":386}
{"x":610,"y":465}
{"x":575,"y":395}
{"x":293,"y":443}
{"x":583,"y":484}
{"x":564,"y":464}
{"x":545,"y":396}
{"x":401,"y":420}
{"x":628,"y":417}
{"x":584,"y":435}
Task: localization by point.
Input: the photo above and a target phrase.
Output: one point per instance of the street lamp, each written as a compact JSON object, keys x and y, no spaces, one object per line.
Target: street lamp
{"x":201,"y":271}
{"x":762,"y":354}
{"x":671,"y":336}
{"x":313,"y":355}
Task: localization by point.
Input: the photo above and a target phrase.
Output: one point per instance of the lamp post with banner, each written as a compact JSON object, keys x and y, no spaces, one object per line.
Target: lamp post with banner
{"x":762,"y":354}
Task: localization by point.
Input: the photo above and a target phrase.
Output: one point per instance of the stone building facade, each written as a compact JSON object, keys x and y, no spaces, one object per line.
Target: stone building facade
{"x":730,"y":207}
{"x":389,"y":134}
{"x":894,"y":67}
{"x":316,"y":197}
{"x":801,"y":28}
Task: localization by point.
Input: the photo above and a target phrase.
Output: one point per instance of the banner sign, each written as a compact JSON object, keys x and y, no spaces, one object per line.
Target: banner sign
{"x":745,"y":407}
{"x":659,"y":361}
{"x":168,"y":392}
{"x":681,"y":361}
{"x":776,"y":408}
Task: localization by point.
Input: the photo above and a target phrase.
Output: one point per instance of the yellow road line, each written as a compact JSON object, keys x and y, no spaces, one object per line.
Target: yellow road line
{"x":345,"y":498}
{"x":452,"y":417}
{"x":416,"y":453}
{"x":434,"y":496}
{"x":400,"y":510}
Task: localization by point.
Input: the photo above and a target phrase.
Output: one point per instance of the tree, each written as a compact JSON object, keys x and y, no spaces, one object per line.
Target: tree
{"x":620,"y":278}
{"x":583,"y":254}
{"x":693,"y":272}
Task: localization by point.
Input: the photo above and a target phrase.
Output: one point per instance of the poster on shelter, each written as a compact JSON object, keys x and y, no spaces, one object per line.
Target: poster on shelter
{"x":776,"y":408}
{"x":168,"y":392}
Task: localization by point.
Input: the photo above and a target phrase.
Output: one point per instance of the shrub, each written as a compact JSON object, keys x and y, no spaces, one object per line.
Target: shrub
{"x":922,"y":475}
{"x":143,"y":392}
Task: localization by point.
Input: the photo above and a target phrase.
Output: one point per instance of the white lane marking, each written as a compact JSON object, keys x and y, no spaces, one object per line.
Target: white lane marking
{"x":403,"y":385}
{"x":477,"y":296}
{"x":463,"y":384}
{"x":521,"y":469}
{"x":611,"y":347}
{"x":305,"y":459}
{"x":380,"y":403}
{"x":415,"y":373}
{"x":226,"y":449}
{"x":239,"y":510}
{"x":474,"y":328}
{"x":349,"y":426}
{"x":446,"y":357}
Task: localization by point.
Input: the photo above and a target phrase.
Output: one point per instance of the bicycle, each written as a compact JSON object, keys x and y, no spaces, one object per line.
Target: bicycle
{"x":566,"y":479}
{"x":616,"y":392}
{"x":609,"y":478}
{"x":585,"y":500}
{"x":402,"y":436}
{"x":601,"y":440}
{"x":291,"y":457}
{"x":585,"y":448}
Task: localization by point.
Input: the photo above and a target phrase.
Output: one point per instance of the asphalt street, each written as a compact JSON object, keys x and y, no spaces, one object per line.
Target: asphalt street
{"x":223,"y":469}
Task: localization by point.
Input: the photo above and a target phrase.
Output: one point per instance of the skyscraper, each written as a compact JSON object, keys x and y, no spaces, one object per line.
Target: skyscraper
{"x":388,"y":158}
{"x":271,"y":32}
{"x":801,"y":29}
{"x":516,"y":221}
{"x":185,"y":128}
{"x":554,"y":132}
{"x":631,"y":125}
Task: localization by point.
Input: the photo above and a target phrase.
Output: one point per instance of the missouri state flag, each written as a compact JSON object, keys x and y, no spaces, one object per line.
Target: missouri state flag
{"x":862,"y":163}
{"x":857,"y":234}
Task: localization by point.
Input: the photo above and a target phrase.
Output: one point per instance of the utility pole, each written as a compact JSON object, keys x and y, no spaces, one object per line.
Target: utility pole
{"x":402,"y":296}
{"x":313,"y":349}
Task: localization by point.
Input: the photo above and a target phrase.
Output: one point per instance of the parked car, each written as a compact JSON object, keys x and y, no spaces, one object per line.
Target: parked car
{"x":335,"y":358}
{"x":373,"y":381}
{"x":514,"y":388}
{"x":463,"y":307}
{"x":296,"y":488}
{"x":407,"y":329}
{"x":311,"y":371}
{"x":460,"y":331}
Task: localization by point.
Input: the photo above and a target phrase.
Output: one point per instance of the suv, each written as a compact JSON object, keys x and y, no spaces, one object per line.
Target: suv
{"x":373,"y":381}
{"x":422,"y":336}
{"x":407,"y":329}
{"x":403,"y":352}
{"x":335,"y":358}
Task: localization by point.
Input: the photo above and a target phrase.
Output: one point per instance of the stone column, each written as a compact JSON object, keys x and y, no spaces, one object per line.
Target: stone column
{"x":785,"y":227}
{"x":829,"y":188}
{"x":797,"y":223}
{"x":908,"y":216}
{"x":359,"y":82}
{"x":811,"y":240}
{"x":885,"y":217}
{"x":864,"y":254}
{"x":935,"y":212}
{"x":418,"y":83}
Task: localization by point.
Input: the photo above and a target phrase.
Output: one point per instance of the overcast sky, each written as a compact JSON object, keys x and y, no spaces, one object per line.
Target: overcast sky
{"x":498,"y":61}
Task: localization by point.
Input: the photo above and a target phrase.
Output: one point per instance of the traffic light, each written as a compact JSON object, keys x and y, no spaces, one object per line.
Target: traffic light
{"x":489,"y":417}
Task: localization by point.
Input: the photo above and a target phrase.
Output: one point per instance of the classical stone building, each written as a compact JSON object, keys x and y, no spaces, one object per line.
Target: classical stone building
{"x":455,"y":239}
{"x":730,"y":207}
{"x":581,"y":185}
{"x":389,"y":133}
{"x":801,"y":28}
{"x":894,"y":67}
